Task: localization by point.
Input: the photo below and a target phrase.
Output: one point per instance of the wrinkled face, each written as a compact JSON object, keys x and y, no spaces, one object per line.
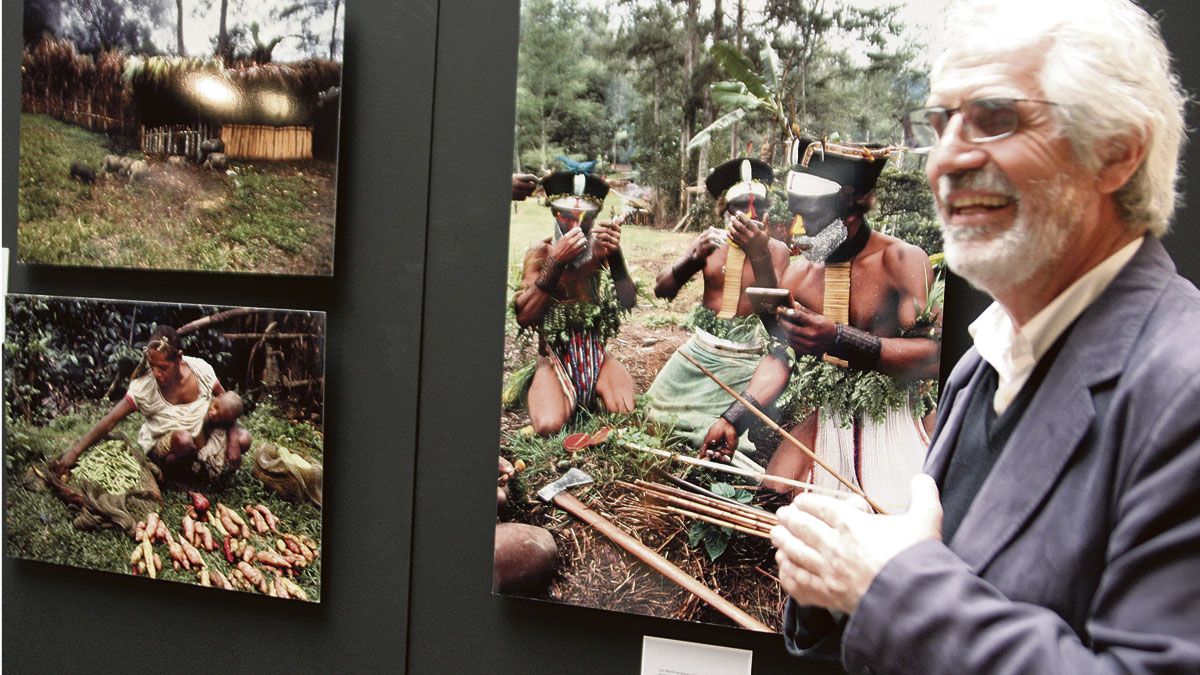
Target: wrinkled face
{"x":164,"y":369}
{"x":1008,"y":206}
{"x":573,"y":212}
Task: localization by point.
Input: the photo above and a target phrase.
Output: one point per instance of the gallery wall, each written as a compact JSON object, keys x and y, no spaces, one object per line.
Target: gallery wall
{"x":413,"y":374}
{"x":60,"y":619}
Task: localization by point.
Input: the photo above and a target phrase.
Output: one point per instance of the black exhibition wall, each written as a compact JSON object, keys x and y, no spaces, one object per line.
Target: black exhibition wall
{"x":413,"y":375}
{"x":59,"y":619}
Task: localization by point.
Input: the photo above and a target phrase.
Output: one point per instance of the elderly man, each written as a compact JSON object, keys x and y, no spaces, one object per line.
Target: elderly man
{"x":1067,"y":453}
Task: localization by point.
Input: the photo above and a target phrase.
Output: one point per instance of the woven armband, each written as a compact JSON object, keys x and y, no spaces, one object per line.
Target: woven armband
{"x":857,"y":347}
{"x":552,"y":269}
{"x":739,"y":415}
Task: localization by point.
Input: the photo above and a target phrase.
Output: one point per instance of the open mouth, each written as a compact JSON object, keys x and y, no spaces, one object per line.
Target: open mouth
{"x":974,"y":205}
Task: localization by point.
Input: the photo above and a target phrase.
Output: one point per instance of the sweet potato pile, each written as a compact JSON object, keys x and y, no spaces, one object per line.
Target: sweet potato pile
{"x":259,"y":555}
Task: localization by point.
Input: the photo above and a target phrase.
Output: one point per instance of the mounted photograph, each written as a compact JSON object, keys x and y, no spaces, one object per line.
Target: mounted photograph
{"x":180,"y":135}
{"x":175,"y":442}
{"x":725,"y":290}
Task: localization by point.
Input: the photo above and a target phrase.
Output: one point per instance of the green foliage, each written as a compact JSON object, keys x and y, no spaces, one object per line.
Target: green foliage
{"x":61,"y":351}
{"x":847,"y":392}
{"x":715,"y":538}
{"x":905,"y":209}
{"x":738,"y":329}
{"x":47,"y":149}
{"x":603,"y":315}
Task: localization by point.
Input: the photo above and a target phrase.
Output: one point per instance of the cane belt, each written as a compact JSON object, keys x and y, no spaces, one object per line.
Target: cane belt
{"x":731,"y":293}
{"x":837,"y":299}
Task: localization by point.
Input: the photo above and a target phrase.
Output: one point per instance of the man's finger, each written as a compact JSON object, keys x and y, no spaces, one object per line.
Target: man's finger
{"x":808,"y":528}
{"x":833,"y":513}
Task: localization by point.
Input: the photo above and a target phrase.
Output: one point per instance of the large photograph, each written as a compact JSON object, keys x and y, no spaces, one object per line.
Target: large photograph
{"x":175,"y":442}
{"x":189,"y":135}
{"x":724,"y":290}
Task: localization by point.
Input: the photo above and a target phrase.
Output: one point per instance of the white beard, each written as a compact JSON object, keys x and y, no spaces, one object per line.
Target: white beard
{"x":996,"y":262}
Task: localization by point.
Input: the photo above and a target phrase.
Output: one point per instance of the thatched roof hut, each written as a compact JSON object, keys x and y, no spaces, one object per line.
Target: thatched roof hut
{"x":168,"y":90}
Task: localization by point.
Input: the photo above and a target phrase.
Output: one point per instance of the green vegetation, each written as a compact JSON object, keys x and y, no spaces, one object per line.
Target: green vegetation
{"x":39,"y":525}
{"x":269,"y":217}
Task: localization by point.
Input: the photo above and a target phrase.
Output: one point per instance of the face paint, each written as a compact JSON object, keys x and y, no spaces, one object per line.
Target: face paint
{"x":571,"y":213}
{"x":818,"y":201}
{"x":750,"y":204}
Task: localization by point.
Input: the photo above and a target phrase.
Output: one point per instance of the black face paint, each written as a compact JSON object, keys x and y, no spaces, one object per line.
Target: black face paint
{"x":818,"y":212}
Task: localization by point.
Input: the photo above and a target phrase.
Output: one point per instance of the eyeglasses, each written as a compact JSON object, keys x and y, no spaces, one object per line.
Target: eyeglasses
{"x":984,"y":119}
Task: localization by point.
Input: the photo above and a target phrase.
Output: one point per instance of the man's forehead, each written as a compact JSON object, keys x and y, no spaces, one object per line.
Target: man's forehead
{"x":1012,"y":74}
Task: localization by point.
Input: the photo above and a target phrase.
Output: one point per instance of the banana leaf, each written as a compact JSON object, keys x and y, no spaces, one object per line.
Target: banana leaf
{"x":723,"y":122}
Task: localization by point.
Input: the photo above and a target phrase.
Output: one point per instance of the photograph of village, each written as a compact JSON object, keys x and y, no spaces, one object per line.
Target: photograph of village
{"x":173,"y":442}
{"x":180,"y":134}
{"x":710,"y":198}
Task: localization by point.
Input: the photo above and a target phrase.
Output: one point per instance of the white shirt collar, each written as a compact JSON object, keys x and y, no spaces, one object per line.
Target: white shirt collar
{"x":1014,"y":353}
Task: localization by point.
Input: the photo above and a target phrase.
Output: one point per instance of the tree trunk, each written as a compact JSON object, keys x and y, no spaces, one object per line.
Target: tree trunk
{"x":222,"y":33}
{"x":689,"y":111}
{"x":179,"y":28}
{"x":337,"y":4}
{"x":734,"y":132}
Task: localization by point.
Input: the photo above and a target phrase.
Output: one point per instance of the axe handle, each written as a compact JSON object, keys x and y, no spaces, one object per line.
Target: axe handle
{"x":567,"y":502}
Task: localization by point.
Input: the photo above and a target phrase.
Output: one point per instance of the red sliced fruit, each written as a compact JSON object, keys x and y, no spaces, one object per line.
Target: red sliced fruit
{"x":576,"y":442}
{"x":601,"y":435}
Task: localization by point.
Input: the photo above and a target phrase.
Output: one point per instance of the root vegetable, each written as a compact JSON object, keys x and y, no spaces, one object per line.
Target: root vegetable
{"x":152,"y":524}
{"x":248,"y":553}
{"x":204,"y":580}
{"x":189,"y":530}
{"x":215,"y":523}
{"x":272,"y":558}
{"x":294,"y":590}
{"x":148,"y":556}
{"x":230,"y":526}
{"x":260,"y":523}
{"x":204,"y":537}
{"x":232,"y":515}
{"x":272,"y":520}
{"x":192,"y":554}
{"x":139,"y":532}
{"x":175,"y":564}
{"x":141,"y":567}
{"x":227,"y":548}
{"x":219,"y":580}
{"x":250,"y":572}
{"x":157,"y":563}
{"x":280,"y":589}
{"x":137,"y":554}
{"x":162,"y":533}
{"x":200,"y":503}
{"x":241,"y":547}
{"x":177,"y":554}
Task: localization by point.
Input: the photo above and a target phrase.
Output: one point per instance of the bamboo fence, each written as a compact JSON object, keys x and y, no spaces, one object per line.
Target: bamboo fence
{"x":177,"y":139}
{"x":246,"y":141}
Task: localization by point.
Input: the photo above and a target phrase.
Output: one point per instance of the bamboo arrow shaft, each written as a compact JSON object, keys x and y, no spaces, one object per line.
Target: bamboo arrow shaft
{"x":780,"y":430}
{"x":567,"y":502}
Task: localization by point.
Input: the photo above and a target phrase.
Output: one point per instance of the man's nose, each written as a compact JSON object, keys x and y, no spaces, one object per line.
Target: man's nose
{"x":954,"y":152}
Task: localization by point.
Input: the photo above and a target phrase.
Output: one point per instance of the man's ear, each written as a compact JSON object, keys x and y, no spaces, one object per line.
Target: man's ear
{"x":1121,"y":159}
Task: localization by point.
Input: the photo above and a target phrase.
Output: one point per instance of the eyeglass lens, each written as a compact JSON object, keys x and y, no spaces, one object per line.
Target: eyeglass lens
{"x":983,"y":120}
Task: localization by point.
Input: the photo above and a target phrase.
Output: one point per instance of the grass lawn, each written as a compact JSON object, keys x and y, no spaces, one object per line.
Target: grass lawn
{"x":271,"y":217}
{"x":39,"y":525}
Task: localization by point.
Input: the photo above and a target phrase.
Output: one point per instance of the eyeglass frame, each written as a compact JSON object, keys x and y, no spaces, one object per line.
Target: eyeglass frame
{"x":967,"y":125}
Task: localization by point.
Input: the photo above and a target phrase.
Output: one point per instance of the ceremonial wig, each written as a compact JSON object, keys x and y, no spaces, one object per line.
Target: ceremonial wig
{"x":1106,"y":65}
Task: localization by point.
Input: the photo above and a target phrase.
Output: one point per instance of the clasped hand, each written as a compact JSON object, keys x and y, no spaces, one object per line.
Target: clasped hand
{"x":829,"y":550}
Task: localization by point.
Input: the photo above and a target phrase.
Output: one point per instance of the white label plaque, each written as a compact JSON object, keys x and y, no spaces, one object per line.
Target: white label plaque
{"x":661,"y":656}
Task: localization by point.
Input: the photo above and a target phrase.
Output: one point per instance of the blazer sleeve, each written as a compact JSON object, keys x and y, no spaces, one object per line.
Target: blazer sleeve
{"x":928,"y":612}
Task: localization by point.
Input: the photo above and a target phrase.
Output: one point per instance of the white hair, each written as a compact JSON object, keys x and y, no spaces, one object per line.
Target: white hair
{"x":1106,"y":65}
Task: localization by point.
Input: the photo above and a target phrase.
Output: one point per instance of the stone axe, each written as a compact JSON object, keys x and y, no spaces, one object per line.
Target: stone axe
{"x":557,"y":493}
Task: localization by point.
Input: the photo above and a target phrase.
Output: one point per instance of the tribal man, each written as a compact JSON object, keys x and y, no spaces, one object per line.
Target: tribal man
{"x":729,"y":339}
{"x":568,"y":298}
{"x":862,"y":337}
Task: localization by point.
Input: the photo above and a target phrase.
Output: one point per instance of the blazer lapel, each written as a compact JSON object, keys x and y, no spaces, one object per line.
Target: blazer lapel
{"x":1096,"y":350}
{"x":951,"y":415}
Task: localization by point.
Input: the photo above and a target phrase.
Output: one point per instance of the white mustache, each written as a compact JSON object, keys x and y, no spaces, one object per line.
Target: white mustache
{"x":983,"y":180}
